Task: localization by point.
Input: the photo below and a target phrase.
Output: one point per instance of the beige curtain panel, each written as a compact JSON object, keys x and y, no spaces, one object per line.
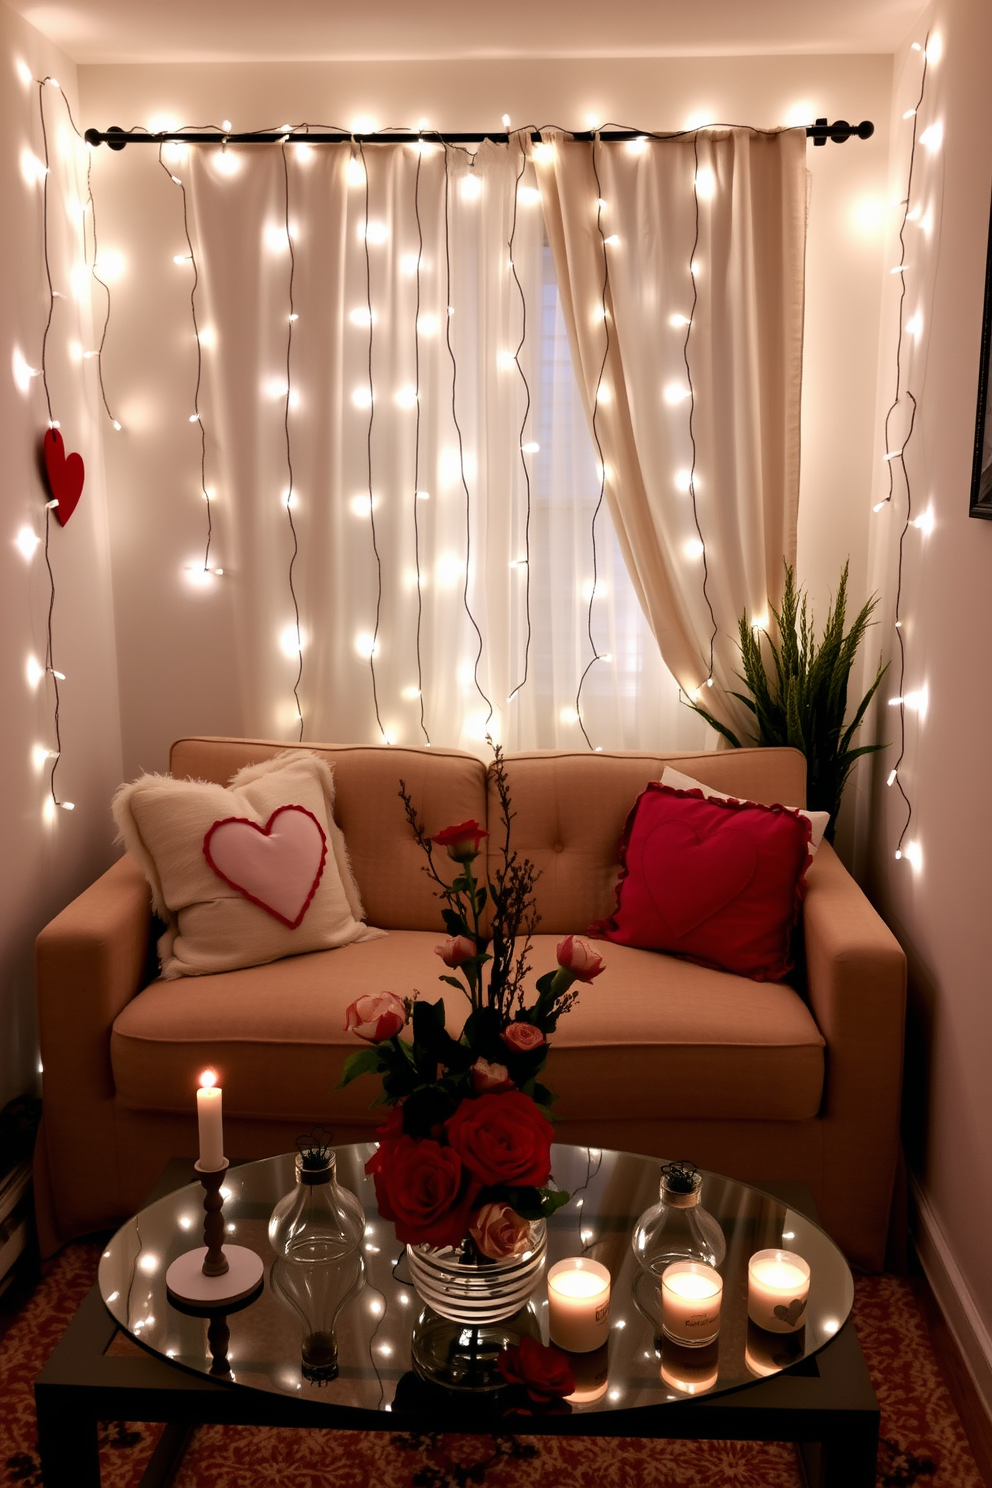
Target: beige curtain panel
{"x":708,"y":228}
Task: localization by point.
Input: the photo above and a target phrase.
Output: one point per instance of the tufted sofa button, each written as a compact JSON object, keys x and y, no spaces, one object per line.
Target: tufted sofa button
{"x":559,"y":847}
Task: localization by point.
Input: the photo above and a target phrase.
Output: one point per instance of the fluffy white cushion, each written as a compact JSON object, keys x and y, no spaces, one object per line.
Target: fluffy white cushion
{"x":241,"y":911}
{"x":818,"y":820}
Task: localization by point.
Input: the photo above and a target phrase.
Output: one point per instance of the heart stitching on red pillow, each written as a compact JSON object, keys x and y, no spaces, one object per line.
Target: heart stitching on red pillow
{"x":65,"y":475}
{"x":277,"y":866}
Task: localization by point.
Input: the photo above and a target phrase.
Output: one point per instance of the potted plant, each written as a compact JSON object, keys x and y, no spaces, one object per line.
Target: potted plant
{"x":801,"y":699}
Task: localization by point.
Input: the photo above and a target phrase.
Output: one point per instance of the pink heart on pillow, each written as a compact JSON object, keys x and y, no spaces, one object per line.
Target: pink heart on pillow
{"x":692,"y":876}
{"x":277,"y":867}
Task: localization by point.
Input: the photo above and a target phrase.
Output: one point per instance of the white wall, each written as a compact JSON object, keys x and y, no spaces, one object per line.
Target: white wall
{"x":48,"y":856}
{"x":940,"y":910}
{"x":183,"y":636}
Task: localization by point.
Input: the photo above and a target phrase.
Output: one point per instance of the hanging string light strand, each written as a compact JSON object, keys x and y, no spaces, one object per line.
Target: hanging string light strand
{"x":898,"y":457}
{"x":708,"y":680}
{"x":604,"y":300}
{"x":290,"y":324}
{"x":458,"y":429}
{"x":416,"y":450}
{"x":89,"y":211}
{"x":373,"y":648}
{"x":196,"y":416}
{"x":525,"y":469}
{"x":50,"y":669}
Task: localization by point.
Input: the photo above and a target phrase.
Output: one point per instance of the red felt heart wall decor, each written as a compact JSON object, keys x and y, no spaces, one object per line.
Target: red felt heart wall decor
{"x":65,"y":475}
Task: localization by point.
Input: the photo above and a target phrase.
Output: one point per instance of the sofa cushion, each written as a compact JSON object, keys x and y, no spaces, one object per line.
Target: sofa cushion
{"x":446,"y":785}
{"x":718,"y":881}
{"x":571,"y":809}
{"x":284,"y":889}
{"x":652,"y":1037}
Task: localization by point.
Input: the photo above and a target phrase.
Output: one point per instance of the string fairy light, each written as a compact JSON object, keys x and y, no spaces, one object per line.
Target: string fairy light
{"x":417,"y":492}
{"x":458,"y":432}
{"x":373,"y":649}
{"x":693,"y":279}
{"x":515,"y":361}
{"x":290,"y":326}
{"x":196,"y":416}
{"x":604,"y":302}
{"x":50,"y":668}
{"x":897,"y":458}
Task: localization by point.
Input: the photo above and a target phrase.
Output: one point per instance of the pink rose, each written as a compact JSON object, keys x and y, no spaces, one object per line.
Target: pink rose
{"x":462,"y":842}
{"x":499,"y":1231}
{"x":376,"y":1016}
{"x":492,"y":1077}
{"x":578,"y":957}
{"x":456,"y":950}
{"x":523,"y":1037}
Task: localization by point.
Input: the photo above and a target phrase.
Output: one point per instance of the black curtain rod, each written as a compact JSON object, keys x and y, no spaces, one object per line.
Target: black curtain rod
{"x":819,"y":132}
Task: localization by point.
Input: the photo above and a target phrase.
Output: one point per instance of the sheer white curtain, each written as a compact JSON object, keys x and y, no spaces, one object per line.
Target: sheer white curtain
{"x":694,"y":248}
{"x":432,"y":585}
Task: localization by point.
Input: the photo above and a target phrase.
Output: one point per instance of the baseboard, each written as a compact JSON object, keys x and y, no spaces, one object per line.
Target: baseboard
{"x":953,"y":1296}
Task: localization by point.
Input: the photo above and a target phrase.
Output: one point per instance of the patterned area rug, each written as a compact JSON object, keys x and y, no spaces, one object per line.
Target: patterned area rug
{"x":923,"y":1440}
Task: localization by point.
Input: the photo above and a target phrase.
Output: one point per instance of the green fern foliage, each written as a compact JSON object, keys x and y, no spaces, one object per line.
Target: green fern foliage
{"x":797,"y":690}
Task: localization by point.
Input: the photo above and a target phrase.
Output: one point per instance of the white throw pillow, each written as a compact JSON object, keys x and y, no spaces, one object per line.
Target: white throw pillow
{"x":246,"y":873}
{"x":818,"y":820}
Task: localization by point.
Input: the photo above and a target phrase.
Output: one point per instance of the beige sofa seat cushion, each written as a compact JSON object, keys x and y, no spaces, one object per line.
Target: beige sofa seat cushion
{"x":651,"y":1037}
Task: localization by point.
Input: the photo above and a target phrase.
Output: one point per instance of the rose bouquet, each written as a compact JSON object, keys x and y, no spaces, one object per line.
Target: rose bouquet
{"x":464,"y":1158}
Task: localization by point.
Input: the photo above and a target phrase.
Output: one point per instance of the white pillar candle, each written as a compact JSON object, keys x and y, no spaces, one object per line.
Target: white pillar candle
{"x":682,"y":1372}
{"x":209,"y":1112}
{"x":691,"y":1293}
{"x":579,"y":1305}
{"x":777,"y":1290}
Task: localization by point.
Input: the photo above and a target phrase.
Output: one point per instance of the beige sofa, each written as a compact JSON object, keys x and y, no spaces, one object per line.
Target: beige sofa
{"x":757,"y":1080}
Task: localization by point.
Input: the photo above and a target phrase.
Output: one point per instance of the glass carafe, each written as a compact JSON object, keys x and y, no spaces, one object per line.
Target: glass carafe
{"x":677,"y":1228}
{"x":318,"y":1221}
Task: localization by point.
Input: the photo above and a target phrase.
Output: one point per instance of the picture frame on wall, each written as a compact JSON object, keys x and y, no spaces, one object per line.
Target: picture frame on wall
{"x":981,"y":470}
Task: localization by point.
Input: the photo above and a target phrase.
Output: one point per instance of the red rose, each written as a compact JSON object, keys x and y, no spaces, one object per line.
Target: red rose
{"x":522,"y":1037}
{"x":577,"y":956}
{"x":462,"y":842}
{"x":456,"y":950}
{"x":542,"y":1369}
{"x":376,"y":1016}
{"x":503,"y":1139}
{"x":388,"y":1134}
{"x":417,"y":1185}
{"x":486,"y":1076}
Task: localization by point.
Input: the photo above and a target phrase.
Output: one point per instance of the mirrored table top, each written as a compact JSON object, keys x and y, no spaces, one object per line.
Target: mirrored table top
{"x":259,"y":1344}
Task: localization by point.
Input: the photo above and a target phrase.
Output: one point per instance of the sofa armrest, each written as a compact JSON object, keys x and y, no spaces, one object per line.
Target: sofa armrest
{"x":89,"y":962}
{"x":856,"y":974}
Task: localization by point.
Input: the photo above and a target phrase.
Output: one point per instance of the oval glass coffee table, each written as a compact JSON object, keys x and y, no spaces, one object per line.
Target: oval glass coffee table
{"x":248,"y":1365}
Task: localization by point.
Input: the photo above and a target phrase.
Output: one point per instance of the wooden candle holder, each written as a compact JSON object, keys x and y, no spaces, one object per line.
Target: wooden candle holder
{"x":212,"y":1275}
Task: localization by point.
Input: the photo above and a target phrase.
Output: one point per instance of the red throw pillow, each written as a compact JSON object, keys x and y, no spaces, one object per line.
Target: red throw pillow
{"x":718,"y":882}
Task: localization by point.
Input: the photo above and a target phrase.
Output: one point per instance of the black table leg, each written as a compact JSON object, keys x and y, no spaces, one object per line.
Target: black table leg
{"x":67,"y":1444}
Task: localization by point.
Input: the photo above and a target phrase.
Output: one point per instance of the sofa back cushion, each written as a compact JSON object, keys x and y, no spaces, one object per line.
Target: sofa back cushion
{"x":571,"y":809}
{"x":446,"y":786}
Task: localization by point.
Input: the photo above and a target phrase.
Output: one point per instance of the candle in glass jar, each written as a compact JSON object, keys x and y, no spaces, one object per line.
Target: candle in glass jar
{"x":691,"y":1293}
{"x":579,"y":1305}
{"x":777,"y":1290}
{"x":209,"y":1112}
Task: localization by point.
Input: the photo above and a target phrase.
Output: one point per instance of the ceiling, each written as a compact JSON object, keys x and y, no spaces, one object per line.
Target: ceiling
{"x":95,"y":31}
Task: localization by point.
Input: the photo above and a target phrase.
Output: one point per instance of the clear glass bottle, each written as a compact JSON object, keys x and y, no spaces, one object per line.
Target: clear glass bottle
{"x":677,"y":1228}
{"x":318,"y":1221}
